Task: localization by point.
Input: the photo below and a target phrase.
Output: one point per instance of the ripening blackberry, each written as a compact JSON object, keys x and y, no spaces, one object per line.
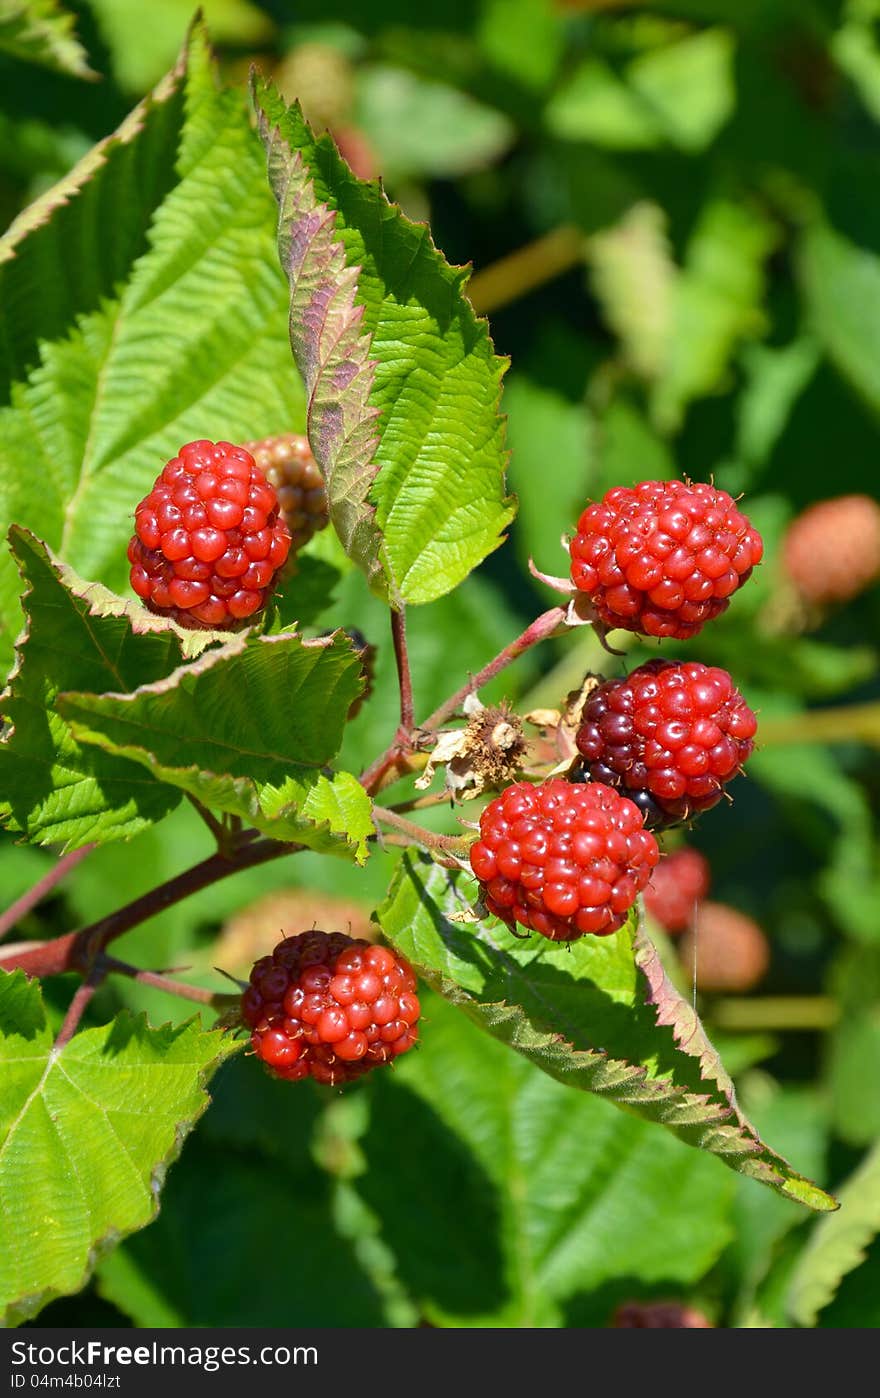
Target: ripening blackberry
{"x":664,"y":557}
{"x":562,"y":860}
{"x":330,"y":1007}
{"x":670,"y":735}
{"x":209,"y":544}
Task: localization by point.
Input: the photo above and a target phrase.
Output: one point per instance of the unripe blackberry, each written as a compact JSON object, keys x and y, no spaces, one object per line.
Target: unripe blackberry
{"x":831,"y":552}
{"x":561,"y":859}
{"x":209,"y":545}
{"x":674,"y":733}
{"x":289,"y":466}
{"x":732,"y":952}
{"x":327,"y":1006}
{"x":664,"y":557}
{"x":677,"y":885}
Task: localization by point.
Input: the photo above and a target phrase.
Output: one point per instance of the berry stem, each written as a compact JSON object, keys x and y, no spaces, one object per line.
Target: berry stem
{"x":401,"y":655}
{"x":23,"y":905}
{"x":160,"y":981}
{"x":78,"y":951}
{"x":456,"y":845}
{"x":529,"y":267}
{"x":539,"y":630}
{"x":77,"y":1007}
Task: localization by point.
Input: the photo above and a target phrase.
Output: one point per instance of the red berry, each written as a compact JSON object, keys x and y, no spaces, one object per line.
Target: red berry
{"x":658,"y":1315}
{"x":562,"y":859}
{"x":670,"y":735}
{"x":330,"y":1006}
{"x":289,"y":466}
{"x":664,"y":557}
{"x":680,"y":881}
{"x":208,"y":545}
{"x":831,"y":552}
{"x":730,"y":951}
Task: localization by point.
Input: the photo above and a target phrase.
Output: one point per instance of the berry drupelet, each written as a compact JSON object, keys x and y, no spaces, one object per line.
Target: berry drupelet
{"x":664,"y":557}
{"x":672,"y":733}
{"x":331,"y":1007}
{"x":287,"y":462}
{"x":562,"y":859}
{"x":209,"y":543}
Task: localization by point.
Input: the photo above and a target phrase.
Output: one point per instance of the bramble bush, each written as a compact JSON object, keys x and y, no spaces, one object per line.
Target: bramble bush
{"x":362,"y":900}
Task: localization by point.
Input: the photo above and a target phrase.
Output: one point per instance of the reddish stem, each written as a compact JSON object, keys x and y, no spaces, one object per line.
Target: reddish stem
{"x":23,"y":905}
{"x":77,"y":1008}
{"x":77,"y":951}
{"x":159,"y":981}
{"x":417,"y":834}
{"x":542,"y":627}
{"x":401,"y":655}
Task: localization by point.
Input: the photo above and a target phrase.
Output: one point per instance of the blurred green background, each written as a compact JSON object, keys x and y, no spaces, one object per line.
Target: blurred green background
{"x":692,"y":194}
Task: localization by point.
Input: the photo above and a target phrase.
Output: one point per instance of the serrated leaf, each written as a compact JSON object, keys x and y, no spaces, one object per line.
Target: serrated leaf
{"x":86,"y":1137}
{"x":246,"y":729}
{"x":564,"y":1194}
{"x":78,"y":636}
{"x":838,"y":1244}
{"x":192,"y":344}
{"x":597,"y":1016}
{"x":841,"y":283}
{"x":402,"y":381}
{"x":42,"y":31}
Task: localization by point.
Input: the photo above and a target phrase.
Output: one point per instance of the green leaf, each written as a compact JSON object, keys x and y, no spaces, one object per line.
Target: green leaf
{"x":41,"y":31}
{"x":78,"y":636}
{"x":426,"y":128}
{"x":86,"y":1137}
{"x":600,"y":1015}
{"x":229,"y":1207}
{"x":402,"y":380}
{"x":717,"y":304}
{"x":634,"y":278}
{"x":565,"y":1194}
{"x":688,"y":86}
{"x":246,"y":729}
{"x":681,"y":93}
{"x":141,"y":51}
{"x":841,"y":284}
{"x":837,"y":1245}
{"x":853,"y":1059}
{"x":192,"y":344}
{"x":552,"y":453}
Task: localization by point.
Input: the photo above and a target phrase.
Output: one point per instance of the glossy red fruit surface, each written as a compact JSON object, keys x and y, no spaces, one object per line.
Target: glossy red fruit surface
{"x":209,"y":543}
{"x":664,"y":557}
{"x":562,"y":860}
{"x":331,"y":1007}
{"x":675,"y":733}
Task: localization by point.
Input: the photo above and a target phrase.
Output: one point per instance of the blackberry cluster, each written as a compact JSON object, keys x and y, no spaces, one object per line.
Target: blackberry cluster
{"x":209,"y":544}
{"x":562,"y":860}
{"x":670,"y":735}
{"x":330,"y":1007}
{"x":663,"y":558}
